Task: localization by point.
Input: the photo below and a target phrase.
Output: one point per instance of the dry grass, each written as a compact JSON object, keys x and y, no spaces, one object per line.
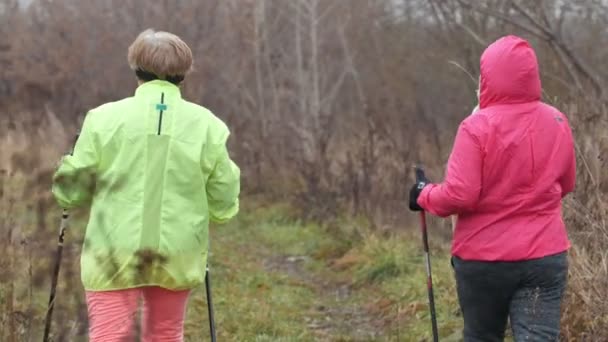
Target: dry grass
{"x":29,"y":219}
{"x":586,"y":211}
{"x":585,"y":314}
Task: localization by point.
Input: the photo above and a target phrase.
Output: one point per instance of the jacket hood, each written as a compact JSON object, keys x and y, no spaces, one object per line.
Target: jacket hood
{"x":509,"y":73}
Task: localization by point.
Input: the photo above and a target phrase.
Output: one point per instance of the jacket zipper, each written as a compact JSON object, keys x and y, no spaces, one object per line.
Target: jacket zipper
{"x":160,"y":115}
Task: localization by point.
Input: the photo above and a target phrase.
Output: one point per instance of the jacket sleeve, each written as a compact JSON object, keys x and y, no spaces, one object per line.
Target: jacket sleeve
{"x":73,"y":182}
{"x":223,"y":184}
{"x":462,"y":185}
{"x":568,"y":180}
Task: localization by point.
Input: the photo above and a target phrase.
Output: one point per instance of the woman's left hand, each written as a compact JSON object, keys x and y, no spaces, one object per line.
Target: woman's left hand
{"x":415,"y":192}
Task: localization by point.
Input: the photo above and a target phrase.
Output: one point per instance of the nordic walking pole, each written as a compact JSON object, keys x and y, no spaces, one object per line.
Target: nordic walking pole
{"x":419,"y":172}
{"x":210,"y":304}
{"x":49,"y":312}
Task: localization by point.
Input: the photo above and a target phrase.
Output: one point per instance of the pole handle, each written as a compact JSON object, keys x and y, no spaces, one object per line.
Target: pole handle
{"x":419,"y":173}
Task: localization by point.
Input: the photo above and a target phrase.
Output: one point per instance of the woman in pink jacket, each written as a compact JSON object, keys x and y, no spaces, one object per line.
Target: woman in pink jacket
{"x":511,"y":165}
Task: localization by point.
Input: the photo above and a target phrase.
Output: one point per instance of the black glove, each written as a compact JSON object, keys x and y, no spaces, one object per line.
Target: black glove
{"x":421,"y":182}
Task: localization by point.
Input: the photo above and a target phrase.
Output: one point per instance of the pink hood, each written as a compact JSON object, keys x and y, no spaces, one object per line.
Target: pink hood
{"x":509,"y":73}
{"x":511,"y":164}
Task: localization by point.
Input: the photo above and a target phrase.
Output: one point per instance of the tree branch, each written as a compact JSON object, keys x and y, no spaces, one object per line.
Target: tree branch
{"x":569,"y":58}
{"x":504,"y":18}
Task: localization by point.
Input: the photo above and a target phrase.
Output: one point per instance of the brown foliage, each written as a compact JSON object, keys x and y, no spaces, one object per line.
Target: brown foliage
{"x":331,"y":100}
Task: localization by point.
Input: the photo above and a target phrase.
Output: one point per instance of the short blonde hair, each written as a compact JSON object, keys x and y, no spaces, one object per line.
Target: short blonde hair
{"x":160,"y":53}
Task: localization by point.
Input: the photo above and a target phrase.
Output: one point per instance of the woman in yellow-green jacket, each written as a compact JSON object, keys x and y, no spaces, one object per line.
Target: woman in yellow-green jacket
{"x":155,"y":170}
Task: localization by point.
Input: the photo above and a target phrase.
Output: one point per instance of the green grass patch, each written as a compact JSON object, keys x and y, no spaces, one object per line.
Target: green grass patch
{"x":396,"y":266}
{"x":258,"y":301}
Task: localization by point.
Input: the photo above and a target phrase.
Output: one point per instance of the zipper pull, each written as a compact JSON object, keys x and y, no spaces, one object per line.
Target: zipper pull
{"x":161,"y":107}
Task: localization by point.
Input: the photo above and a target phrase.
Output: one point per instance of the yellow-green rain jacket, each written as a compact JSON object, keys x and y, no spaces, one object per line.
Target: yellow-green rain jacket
{"x":155,"y":170}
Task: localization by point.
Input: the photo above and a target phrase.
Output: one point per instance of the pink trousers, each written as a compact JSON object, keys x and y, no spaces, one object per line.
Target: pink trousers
{"x":112,"y":314}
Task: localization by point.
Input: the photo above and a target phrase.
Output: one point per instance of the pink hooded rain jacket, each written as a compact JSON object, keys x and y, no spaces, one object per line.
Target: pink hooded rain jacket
{"x":512,"y":163}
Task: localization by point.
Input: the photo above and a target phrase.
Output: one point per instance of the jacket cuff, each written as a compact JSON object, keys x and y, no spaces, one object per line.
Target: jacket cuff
{"x":225,"y":215}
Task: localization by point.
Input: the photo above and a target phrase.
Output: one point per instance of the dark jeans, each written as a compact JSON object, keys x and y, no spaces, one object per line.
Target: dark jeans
{"x":529,"y":293}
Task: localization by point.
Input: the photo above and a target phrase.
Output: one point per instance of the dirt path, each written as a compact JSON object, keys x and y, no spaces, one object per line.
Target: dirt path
{"x":335,"y":314}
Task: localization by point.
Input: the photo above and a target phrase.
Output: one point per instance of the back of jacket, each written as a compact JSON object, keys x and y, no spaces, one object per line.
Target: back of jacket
{"x":512,"y":163}
{"x":156,"y":170}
